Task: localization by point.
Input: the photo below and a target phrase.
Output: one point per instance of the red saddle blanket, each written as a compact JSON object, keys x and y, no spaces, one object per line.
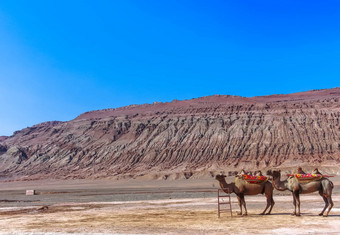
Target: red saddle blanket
{"x":253,"y":179}
{"x":306,"y":178}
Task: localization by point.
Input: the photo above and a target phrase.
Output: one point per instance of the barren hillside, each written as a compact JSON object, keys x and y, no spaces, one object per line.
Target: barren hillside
{"x":181,"y":138}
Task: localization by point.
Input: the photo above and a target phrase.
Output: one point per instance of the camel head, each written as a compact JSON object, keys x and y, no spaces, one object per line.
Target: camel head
{"x":228,"y":188}
{"x":220,"y":177}
{"x":274,"y":173}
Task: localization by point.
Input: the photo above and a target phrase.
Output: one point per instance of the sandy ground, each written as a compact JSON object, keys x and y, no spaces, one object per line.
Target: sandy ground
{"x":153,"y":207}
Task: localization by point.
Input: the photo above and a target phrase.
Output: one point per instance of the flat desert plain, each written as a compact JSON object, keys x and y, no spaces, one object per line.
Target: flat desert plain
{"x":153,"y":207}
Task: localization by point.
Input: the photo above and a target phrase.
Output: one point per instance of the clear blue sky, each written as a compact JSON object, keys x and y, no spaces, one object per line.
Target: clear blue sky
{"x":59,"y":58}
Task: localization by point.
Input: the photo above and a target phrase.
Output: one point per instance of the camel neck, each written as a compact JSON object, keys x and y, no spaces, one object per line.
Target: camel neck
{"x":280,"y":185}
{"x":225,"y":185}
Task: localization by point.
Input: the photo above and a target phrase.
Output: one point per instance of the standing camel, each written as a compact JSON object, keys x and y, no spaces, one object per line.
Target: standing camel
{"x":240,"y":187}
{"x":324,"y":186}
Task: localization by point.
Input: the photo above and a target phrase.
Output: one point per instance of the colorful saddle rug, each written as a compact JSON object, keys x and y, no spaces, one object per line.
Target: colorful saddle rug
{"x":306,"y":178}
{"x":253,"y":179}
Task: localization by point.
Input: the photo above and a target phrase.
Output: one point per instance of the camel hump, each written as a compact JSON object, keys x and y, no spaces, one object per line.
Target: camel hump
{"x":258,"y":173}
{"x":300,"y":171}
{"x":316,"y":171}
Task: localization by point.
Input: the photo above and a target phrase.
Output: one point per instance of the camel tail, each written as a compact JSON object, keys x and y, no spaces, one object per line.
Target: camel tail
{"x":332,"y":185}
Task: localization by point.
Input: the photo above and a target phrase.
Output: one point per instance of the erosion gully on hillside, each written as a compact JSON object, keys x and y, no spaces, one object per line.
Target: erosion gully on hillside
{"x":181,"y":139}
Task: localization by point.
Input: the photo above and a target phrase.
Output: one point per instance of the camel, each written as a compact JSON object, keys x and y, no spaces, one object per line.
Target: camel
{"x":240,"y":187}
{"x":324,"y":186}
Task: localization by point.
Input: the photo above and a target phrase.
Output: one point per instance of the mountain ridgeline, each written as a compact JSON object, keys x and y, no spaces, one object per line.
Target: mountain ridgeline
{"x":181,"y":139}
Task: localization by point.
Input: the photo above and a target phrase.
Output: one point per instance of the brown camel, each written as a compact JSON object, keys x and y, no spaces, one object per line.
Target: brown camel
{"x":324,"y":186}
{"x":240,"y":187}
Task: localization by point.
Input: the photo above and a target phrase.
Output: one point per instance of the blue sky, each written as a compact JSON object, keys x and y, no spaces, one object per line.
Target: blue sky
{"x":59,"y":58}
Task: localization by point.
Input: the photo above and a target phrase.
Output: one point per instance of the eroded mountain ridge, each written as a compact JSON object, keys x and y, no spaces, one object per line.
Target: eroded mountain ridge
{"x":181,"y":138}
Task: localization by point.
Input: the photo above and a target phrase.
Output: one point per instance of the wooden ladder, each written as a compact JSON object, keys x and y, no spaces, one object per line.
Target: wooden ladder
{"x":223,"y":199}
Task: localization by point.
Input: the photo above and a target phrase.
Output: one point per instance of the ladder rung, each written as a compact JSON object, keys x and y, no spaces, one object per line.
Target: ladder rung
{"x":223,"y":202}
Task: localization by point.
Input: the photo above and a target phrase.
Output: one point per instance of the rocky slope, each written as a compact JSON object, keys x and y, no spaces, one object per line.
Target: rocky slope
{"x":179,"y":139}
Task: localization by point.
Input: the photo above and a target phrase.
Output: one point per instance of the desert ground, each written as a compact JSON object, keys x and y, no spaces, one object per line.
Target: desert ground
{"x":152,"y":207}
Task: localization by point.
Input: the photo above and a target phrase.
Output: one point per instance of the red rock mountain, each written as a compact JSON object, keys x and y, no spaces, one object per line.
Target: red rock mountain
{"x":179,"y":139}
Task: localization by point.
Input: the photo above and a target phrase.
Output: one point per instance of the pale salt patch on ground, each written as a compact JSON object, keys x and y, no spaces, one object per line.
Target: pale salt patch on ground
{"x":17,"y":208}
{"x":331,"y":229}
{"x":335,"y":209}
{"x":64,"y":233}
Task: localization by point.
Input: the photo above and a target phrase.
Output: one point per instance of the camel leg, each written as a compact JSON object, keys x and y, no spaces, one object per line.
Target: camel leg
{"x":244,"y":204}
{"x":328,"y":194}
{"x":326,"y":202}
{"x":268,"y":204}
{"x":272,"y":203}
{"x":239,"y":204}
{"x":294,"y":203}
{"x":297,"y":198}
{"x":330,"y":202}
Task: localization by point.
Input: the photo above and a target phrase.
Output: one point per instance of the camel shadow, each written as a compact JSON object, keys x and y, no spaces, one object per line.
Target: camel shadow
{"x":305,"y":215}
{"x":322,"y":216}
{"x":288,"y":214}
{"x":281,"y":213}
{"x":259,"y":215}
{"x":333,"y":215}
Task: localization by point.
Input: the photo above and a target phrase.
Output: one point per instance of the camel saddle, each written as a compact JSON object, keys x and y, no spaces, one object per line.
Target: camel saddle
{"x":254,"y":179}
{"x":306,"y":178}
